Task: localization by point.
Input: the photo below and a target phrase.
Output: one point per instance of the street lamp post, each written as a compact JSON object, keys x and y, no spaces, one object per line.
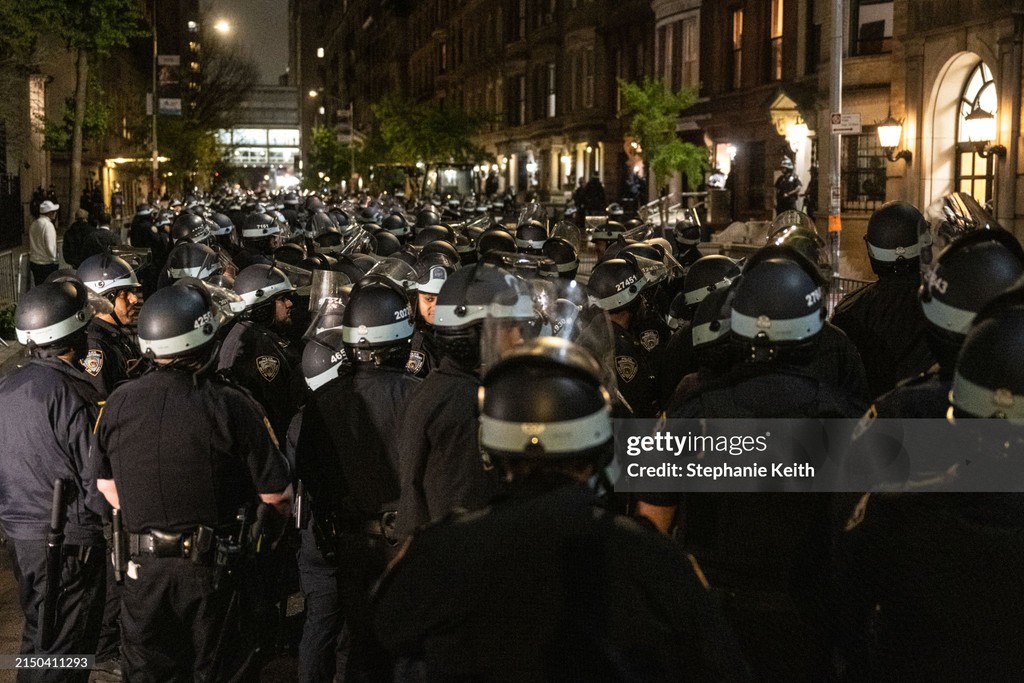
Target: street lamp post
{"x":154,"y":178}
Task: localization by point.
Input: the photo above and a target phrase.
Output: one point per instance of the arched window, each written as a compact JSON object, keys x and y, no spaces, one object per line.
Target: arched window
{"x":973,"y":172}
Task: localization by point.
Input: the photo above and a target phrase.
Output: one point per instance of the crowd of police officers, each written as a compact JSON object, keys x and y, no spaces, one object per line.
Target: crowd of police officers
{"x":414,"y":399}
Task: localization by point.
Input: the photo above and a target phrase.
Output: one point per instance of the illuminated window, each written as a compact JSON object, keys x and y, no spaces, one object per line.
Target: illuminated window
{"x":974,"y":172}
{"x":736,"y":75}
{"x":776,"y":40}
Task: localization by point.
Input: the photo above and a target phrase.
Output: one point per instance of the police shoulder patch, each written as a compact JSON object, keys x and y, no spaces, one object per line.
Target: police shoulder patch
{"x":626,"y":367}
{"x":93,"y":362}
{"x":415,"y":362}
{"x":268,"y":367}
{"x":649,"y":339}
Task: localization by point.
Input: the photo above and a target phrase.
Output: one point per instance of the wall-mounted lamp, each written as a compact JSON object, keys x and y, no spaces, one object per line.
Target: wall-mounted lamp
{"x":980,"y":127}
{"x":889,"y":133}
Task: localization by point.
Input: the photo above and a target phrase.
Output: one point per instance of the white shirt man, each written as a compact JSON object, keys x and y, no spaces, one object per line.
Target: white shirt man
{"x":42,"y":242}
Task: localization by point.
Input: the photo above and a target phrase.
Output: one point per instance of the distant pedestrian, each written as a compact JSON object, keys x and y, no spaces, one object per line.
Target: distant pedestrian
{"x":75,"y":239}
{"x":42,"y":242}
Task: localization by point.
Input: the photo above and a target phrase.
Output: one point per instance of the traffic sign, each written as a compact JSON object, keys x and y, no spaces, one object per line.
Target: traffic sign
{"x":845,"y":124}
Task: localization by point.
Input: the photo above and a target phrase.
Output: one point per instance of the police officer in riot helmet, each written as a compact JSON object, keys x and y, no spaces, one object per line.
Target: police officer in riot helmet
{"x":431,"y":270}
{"x":188,"y":259}
{"x":615,"y":286}
{"x":225,"y":233}
{"x":112,"y":352}
{"x":348,"y":458}
{"x":184,"y":497}
{"x":531,"y":236}
{"x":968,"y":273}
{"x":540,"y":615}
{"x":884,"y":319}
{"x":261,"y":235}
{"x":189,"y":227}
{"x":686,"y":235}
{"x":776,"y":318}
{"x":46,"y":428}
{"x":906,"y":561}
{"x":255,"y":353}
{"x":323,"y":362}
{"x":441,"y":466}
{"x":604,"y":235}
{"x":495,"y":239}
{"x":565,"y":256}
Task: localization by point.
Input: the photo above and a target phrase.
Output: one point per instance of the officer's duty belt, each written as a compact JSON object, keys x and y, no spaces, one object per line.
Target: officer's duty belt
{"x":198,"y":545}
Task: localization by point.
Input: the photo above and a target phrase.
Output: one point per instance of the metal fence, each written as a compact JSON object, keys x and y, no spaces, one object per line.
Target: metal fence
{"x":9,"y":290}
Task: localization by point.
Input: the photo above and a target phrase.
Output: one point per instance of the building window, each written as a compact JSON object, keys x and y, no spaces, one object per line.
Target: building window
{"x":690,"y":47}
{"x":521,"y":22}
{"x":552,"y":90}
{"x":736,"y":71}
{"x":776,"y":40}
{"x":863,"y":172}
{"x":873,"y":19}
{"x":973,"y":172}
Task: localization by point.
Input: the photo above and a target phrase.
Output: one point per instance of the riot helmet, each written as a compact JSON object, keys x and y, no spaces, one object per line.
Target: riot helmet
{"x":544,"y":401}
{"x":615,"y":285}
{"x":396,"y":224}
{"x":260,"y":285}
{"x":188,"y":227}
{"x":495,"y":239}
{"x":192,"y":260}
{"x":441,"y":247}
{"x":706,"y":275}
{"x":892,"y":238}
{"x":323,"y":358}
{"x":779,"y":306}
{"x":531,"y":236}
{"x":966,"y":275}
{"x":565,"y":256}
{"x":983,"y":386}
{"x":377,"y":324}
{"x":106,"y":274}
{"x":52,"y":316}
{"x":386,"y":243}
{"x":178,"y":320}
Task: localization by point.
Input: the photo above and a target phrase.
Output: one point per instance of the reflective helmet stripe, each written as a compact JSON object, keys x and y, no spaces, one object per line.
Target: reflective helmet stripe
{"x":182,"y":342}
{"x":703,"y":334}
{"x":948,"y":317}
{"x":379,"y":334}
{"x":890,"y":255}
{"x":787,"y":329}
{"x":983,"y":402}
{"x":64,"y":328}
{"x":699,"y":294}
{"x":566,"y":436}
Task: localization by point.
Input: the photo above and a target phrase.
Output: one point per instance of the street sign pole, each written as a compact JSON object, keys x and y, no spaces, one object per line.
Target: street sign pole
{"x":835,"y":225}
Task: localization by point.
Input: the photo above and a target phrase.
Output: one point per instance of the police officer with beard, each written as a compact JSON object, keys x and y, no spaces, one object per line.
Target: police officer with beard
{"x":112,"y":351}
{"x":348,"y":459}
{"x":254,"y":354}
{"x":189,"y":501}
{"x":46,"y":429}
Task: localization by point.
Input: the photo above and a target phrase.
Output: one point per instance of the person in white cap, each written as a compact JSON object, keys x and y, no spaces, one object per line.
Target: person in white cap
{"x":42,"y":242}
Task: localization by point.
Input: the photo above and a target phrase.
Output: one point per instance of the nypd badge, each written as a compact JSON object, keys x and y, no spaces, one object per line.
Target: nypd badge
{"x":268,"y":367}
{"x":649,"y":339}
{"x":93,"y":362}
{"x":415,"y":363}
{"x":626,"y":367}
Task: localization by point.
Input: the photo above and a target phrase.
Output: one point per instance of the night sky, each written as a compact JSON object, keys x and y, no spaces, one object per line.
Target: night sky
{"x":262,"y":28}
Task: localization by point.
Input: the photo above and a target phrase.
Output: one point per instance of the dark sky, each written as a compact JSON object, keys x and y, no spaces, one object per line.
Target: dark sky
{"x":262,"y":28}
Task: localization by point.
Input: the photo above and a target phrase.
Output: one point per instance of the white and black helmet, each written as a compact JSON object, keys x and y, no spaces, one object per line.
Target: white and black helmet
{"x":259,"y":226}
{"x":178,"y":320}
{"x":52,"y":312}
{"x":378,"y":317}
{"x":615,"y":284}
{"x":104,"y":273}
{"x":261,"y":283}
{"x":323,"y":358}
{"x":543,"y":400}
{"x":192,"y":260}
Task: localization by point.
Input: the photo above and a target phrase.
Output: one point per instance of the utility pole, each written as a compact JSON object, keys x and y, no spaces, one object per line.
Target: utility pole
{"x":154,"y":180}
{"x":835,"y":225}
{"x":352,"y":144}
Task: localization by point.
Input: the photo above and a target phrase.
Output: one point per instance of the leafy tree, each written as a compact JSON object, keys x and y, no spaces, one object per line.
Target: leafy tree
{"x":91,"y":29}
{"x":653,"y":109}
{"x":411,"y":133}
{"x":190,"y":140}
{"x":329,"y":157}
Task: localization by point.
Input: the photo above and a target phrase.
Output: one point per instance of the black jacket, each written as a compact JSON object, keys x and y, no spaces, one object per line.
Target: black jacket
{"x":442,"y":467}
{"x":111,"y":350}
{"x":46,"y":427}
